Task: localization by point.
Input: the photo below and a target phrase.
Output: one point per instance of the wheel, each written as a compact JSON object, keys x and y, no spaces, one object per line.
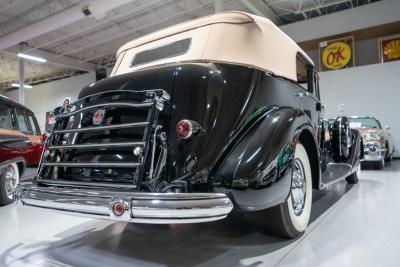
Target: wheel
{"x":290,"y":218}
{"x":381,"y":164}
{"x":353,"y":178}
{"x":388,"y":155}
{"x":8,"y":182}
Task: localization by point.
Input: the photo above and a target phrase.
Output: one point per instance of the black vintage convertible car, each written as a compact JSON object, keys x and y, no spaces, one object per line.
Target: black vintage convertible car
{"x":213,"y":114}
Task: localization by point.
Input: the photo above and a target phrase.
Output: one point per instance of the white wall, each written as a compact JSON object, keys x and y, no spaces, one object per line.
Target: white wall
{"x":45,"y":97}
{"x":366,"y":90}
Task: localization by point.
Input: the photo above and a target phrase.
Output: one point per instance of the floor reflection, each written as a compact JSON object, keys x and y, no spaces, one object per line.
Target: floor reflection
{"x":222,"y":243}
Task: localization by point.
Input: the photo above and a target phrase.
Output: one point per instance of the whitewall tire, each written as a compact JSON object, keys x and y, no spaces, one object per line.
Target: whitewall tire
{"x":291,"y":218}
{"x":300,"y":216}
{"x":9,"y":180}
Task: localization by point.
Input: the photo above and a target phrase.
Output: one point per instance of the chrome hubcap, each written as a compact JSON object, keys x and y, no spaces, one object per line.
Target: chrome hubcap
{"x":11,"y":181}
{"x":298,"y":190}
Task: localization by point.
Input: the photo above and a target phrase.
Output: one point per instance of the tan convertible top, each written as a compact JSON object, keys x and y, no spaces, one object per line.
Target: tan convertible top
{"x":229,"y":37}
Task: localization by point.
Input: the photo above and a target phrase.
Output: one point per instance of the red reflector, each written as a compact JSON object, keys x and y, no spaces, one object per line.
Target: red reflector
{"x":184,"y":129}
{"x":118,"y":208}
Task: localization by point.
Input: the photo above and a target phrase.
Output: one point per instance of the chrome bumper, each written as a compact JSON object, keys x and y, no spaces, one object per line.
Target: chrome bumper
{"x":138,"y":207}
{"x":377,"y":155}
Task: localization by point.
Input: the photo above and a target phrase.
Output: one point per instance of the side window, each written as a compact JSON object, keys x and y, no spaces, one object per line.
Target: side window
{"x":305,"y":74}
{"x":5,"y":117}
{"x":23,"y":126}
{"x":33,"y":124}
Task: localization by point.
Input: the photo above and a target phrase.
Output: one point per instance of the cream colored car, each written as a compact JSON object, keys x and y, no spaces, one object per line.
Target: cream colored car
{"x":378,"y":141}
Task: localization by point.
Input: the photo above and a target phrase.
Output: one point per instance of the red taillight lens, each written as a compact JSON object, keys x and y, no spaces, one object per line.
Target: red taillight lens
{"x":45,"y":136}
{"x":118,"y":208}
{"x":184,"y":129}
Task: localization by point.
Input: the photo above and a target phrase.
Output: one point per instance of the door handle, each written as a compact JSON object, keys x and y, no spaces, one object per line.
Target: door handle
{"x":301,"y":94}
{"x":319,"y":107}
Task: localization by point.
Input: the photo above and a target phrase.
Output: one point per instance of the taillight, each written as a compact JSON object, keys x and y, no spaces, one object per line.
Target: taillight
{"x":118,"y":208}
{"x":184,"y":129}
{"x":45,"y":136}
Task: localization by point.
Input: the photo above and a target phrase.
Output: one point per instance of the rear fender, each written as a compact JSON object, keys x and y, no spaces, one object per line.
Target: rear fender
{"x":257,"y":171}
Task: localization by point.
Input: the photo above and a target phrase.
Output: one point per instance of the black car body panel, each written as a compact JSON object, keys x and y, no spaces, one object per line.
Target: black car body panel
{"x":121,"y":140}
{"x":249,"y":120}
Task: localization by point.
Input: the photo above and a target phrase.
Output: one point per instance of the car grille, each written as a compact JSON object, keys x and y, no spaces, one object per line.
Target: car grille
{"x":93,"y":143}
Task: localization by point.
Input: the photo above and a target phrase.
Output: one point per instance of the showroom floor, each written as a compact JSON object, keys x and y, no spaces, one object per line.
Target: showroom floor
{"x":351,"y":226}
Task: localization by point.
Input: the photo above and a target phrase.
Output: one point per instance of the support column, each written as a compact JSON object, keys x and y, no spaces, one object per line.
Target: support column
{"x":218,"y":6}
{"x":21,"y":90}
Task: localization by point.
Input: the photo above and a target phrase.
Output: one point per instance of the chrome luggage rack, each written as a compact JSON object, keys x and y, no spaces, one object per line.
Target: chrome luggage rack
{"x":69,"y":123}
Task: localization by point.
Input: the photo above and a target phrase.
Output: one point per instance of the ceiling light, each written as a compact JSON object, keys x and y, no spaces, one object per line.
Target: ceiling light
{"x":25,"y":85}
{"x":39,"y":59}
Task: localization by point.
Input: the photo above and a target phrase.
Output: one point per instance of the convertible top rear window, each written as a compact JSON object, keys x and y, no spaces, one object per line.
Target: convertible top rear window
{"x":170,"y":50}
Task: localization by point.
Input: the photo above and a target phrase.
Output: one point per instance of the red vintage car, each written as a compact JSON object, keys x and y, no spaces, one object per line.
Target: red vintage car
{"x":18,"y":122}
{"x":20,"y":145}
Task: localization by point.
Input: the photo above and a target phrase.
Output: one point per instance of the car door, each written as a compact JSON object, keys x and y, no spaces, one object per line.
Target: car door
{"x":26,"y":130}
{"x":35,"y":137}
{"x":13,"y":143}
{"x":309,"y":96}
{"x":308,"y":90}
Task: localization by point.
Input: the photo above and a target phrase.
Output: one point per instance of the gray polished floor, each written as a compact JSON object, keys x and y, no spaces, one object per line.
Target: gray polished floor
{"x":351,"y":226}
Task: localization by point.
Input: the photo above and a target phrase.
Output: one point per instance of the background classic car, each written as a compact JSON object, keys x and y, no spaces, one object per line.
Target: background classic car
{"x":18,"y":122}
{"x":378,"y":141}
{"x":198,"y":118}
{"x":19,"y":145}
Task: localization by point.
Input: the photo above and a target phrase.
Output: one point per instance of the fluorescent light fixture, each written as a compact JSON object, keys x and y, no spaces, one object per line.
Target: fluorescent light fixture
{"x":39,"y":59}
{"x":25,"y":85}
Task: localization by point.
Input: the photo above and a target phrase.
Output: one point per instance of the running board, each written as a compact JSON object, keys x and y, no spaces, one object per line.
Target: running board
{"x":335,"y":172}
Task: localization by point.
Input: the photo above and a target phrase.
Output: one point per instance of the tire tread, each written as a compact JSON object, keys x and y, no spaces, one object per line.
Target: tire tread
{"x":278,"y":218}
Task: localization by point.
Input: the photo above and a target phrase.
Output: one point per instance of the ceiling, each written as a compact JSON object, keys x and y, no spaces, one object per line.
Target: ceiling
{"x":90,"y":43}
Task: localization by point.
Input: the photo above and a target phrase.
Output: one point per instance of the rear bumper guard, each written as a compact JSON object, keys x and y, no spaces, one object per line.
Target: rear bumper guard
{"x":138,"y":207}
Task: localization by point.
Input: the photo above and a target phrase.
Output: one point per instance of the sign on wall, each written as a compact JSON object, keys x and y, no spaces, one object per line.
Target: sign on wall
{"x":336,"y":54}
{"x":389,"y":48}
{"x":50,"y":121}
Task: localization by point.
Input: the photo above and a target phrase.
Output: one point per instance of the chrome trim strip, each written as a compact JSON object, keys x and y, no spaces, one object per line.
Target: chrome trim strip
{"x":113,"y":104}
{"x":139,"y":207}
{"x":86,"y":184}
{"x":101,"y":145}
{"x":99,"y":128}
{"x":154,"y":91}
{"x":93,"y":164}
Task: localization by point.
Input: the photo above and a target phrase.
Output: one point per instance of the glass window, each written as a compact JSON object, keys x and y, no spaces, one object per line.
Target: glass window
{"x":166,"y":51}
{"x":302,"y":77}
{"x":5,"y":117}
{"x":33,"y":124}
{"x":304,"y":74}
{"x":364,"y":123}
{"x":23,"y":126}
